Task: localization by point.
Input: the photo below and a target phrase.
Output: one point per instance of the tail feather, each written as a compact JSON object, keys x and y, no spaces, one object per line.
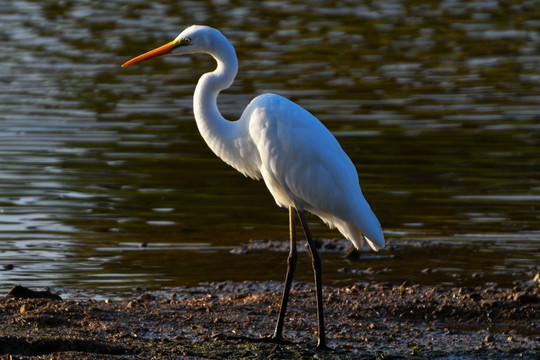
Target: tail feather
{"x":357,"y":238}
{"x":368,"y":222}
{"x":375,"y":238}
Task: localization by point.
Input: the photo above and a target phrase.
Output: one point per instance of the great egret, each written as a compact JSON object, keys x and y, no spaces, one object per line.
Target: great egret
{"x":301,"y":162}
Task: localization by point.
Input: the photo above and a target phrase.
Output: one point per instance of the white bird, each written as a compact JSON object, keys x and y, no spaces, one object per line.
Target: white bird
{"x":301,"y":162}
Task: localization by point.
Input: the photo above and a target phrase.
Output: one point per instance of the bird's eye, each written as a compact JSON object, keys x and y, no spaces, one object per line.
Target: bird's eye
{"x":186,"y":41}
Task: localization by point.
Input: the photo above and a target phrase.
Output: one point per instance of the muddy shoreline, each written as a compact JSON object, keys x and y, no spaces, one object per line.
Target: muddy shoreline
{"x":231,"y":320}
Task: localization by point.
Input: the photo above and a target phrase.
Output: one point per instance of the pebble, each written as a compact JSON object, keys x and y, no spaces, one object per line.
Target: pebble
{"x":370,"y":271}
{"x":330,"y":246}
{"x":490,"y":303}
{"x":474,"y":296}
{"x":146,"y":297}
{"x":239,"y":251}
{"x":526,"y":298}
{"x":24,"y":308}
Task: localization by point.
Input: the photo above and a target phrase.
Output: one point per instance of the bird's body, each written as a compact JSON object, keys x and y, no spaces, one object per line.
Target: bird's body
{"x":284,"y":135}
{"x":300,"y":161}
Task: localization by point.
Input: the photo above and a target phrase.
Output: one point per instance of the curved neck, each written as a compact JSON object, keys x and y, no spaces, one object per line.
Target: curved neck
{"x":214,"y":128}
{"x":229,"y":140}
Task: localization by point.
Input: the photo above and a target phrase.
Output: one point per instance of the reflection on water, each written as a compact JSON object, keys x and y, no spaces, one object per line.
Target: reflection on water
{"x":436,"y":102}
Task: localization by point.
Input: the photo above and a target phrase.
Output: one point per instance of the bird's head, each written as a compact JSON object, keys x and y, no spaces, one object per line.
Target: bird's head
{"x":194,"y":39}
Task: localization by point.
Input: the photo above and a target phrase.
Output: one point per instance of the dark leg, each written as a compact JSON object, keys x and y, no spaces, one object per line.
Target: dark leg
{"x":291,"y":265}
{"x":316,"y":261}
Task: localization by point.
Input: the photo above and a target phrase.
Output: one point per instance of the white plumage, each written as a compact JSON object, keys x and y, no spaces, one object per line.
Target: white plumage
{"x":301,"y":162}
{"x":304,"y":166}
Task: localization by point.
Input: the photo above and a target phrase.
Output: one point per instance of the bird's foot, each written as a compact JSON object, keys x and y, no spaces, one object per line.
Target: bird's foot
{"x":323,"y":347}
{"x":275,"y":339}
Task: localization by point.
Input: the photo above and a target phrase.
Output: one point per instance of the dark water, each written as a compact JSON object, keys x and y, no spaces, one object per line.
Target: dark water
{"x":437,"y":103}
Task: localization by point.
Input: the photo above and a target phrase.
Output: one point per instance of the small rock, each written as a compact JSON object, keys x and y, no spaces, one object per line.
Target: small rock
{"x":356,"y":288}
{"x":489,"y":303}
{"x":8,"y":266}
{"x":474,"y":296}
{"x":146,"y":297}
{"x":526,"y":298}
{"x":330,"y":246}
{"x":407,"y":284}
{"x":239,"y":251}
{"x":22,"y":292}
{"x":25,"y":308}
{"x":370,"y":271}
{"x":489,"y":339}
{"x":384,"y":286}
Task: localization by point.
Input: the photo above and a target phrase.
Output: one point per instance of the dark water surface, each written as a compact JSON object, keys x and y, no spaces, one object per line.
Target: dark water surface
{"x":437,"y":103}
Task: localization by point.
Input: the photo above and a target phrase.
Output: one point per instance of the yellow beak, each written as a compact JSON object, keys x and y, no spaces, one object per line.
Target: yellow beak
{"x":160,"y":51}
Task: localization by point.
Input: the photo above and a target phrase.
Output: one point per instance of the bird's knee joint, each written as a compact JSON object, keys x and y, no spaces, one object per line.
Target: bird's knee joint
{"x":291,"y":260}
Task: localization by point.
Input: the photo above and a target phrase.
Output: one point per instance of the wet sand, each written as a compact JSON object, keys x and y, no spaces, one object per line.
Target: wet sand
{"x":231,"y":320}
